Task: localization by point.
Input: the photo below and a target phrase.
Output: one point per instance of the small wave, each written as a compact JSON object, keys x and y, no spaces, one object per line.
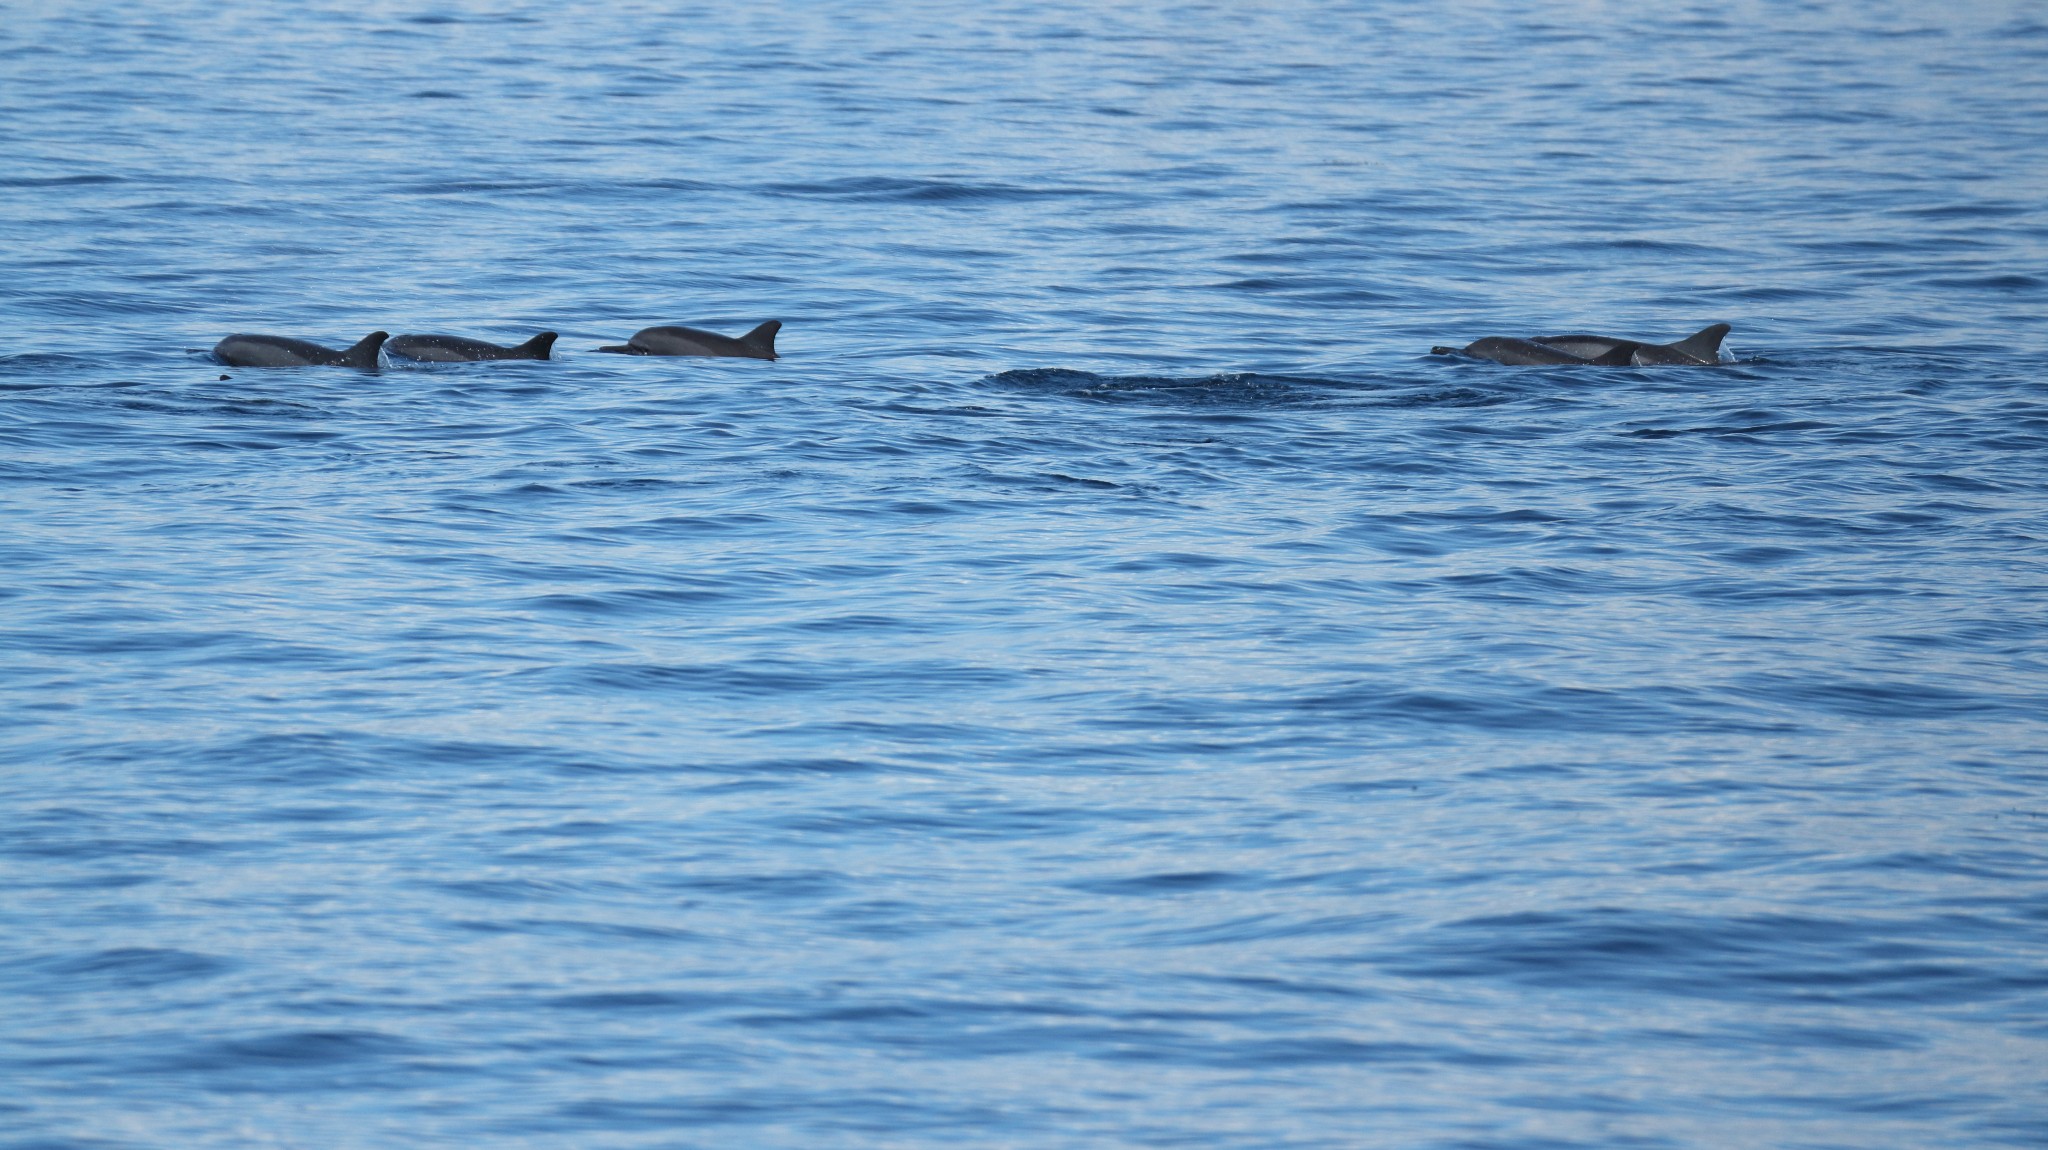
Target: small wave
{"x":1729,"y":429}
{"x":58,"y":181}
{"x":1965,"y":212}
{"x":2012,"y":282}
{"x":892,"y":189}
{"x":125,"y":968}
{"x":467,"y":187}
{"x":42,"y":361}
{"x":1873,"y":698}
{"x":297,"y":1048}
{"x":1769,"y":957}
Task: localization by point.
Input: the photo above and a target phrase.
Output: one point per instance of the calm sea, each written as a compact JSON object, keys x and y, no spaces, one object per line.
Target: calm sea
{"x":1107,"y":685}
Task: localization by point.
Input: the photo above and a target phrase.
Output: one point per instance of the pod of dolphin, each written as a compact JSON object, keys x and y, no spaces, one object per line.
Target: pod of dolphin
{"x":244,"y":350}
{"x":1699,"y":349}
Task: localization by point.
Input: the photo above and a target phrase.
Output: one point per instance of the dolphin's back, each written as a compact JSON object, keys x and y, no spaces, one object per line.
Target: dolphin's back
{"x":1701,"y":347}
{"x":1600,"y":349}
{"x":756,"y":344}
{"x":457,"y":349}
{"x":435,"y":348}
{"x":1520,"y":352}
{"x":678,"y":340}
{"x":241,"y":350}
{"x":244,"y":350}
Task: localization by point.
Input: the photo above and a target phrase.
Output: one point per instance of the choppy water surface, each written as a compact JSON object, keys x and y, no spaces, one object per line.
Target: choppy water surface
{"x":1107,"y":685}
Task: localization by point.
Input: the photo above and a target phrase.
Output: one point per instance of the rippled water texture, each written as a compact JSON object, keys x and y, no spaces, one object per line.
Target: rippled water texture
{"x":1108,"y":685}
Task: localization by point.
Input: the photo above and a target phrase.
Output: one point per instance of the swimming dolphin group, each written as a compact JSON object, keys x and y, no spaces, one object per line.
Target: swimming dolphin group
{"x":283,"y":351}
{"x":1701,"y":347}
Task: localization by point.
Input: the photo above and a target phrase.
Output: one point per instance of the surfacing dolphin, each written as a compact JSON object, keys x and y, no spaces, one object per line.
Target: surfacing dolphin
{"x":456,"y":349}
{"x":281,"y":351}
{"x":756,"y":344}
{"x":1702,"y":347}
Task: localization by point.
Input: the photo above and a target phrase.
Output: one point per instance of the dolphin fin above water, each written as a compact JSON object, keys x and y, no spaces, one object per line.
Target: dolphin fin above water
{"x":457,"y":349}
{"x":1701,"y":347}
{"x":756,"y":344}
{"x":242,"y":350}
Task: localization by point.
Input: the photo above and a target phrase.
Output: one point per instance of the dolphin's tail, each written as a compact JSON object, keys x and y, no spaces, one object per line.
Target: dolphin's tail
{"x":364,"y":353}
{"x":537,"y":347}
{"x":761,"y":340}
{"x":1704,"y":345}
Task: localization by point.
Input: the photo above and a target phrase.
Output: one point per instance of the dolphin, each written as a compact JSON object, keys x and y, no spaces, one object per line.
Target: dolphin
{"x":280,"y":351}
{"x":1701,"y":347}
{"x":1516,"y":352}
{"x":756,"y":344}
{"x":455,"y":349}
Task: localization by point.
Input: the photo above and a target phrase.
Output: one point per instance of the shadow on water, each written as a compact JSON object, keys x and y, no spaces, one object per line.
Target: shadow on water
{"x":1253,"y":390}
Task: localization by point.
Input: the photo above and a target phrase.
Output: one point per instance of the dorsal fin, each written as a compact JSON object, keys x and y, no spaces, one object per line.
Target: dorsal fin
{"x":1704,"y":345}
{"x":537,"y":347}
{"x":762,"y":338}
{"x":364,"y":353}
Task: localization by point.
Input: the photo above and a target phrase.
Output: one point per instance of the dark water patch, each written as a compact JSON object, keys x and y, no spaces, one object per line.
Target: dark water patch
{"x":520,"y":891}
{"x":1793,"y":1037}
{"x":1966,"y":211}
{"x":77,"y":181}
{"x":286,"y":1050}
{"x":322,"y":757}
{"x":894,"y":189}
{"x":800,"y":885}
{"x":471,"y":187}
{"x":1666,"y":247}
{"x":1161,"y":884}
{"x":1247,"y":389}
{"x":830,"y":1111}
{"x":639,"y":1002}
{"x":1529,"y":707}
{"x":117,"y":969}
{"x":22,"y":363}
{"x":1884,"y":698}
{"x":1729,"y":430}
{"x":711,"y":679}
{"x":2009,"y":282}
{"x":1750,"y":958}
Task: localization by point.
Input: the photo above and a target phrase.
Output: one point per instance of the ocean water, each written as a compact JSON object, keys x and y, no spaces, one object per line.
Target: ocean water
{"x":1107,"y":685}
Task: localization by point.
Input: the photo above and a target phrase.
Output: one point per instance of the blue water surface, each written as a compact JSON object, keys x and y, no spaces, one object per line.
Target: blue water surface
{"x":1107,"y":685}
